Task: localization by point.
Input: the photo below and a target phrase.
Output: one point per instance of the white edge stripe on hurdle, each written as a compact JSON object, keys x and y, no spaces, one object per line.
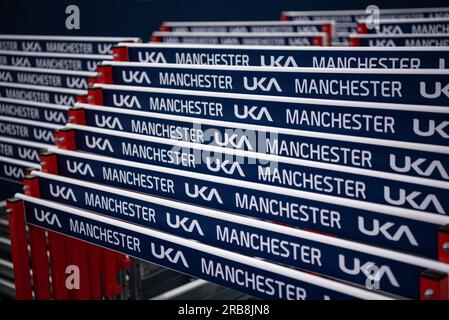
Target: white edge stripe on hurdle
{"x":35,"y":104}
{"x":286,"y":48}
{"x":409,"y":20}
{"x":272,"y":130}
{"x":53,"y":71}
{"x":66,"y":38}
{"x":20,"y":162}
{"x":57,"y":54}
{"x":404,"y":35}
{"x":362,"y":11}
{"x":25,"y":142}
{"x":42,"y":88}
{"x":244,"y":96}
{"x":243,"y":23}
{"x":263,"y":225}
{"x":32,"y":123}
{"x":374,"y":207}
{"x":236,"y":34}
{"x":276,"y":69}
{"x":267,"y":157}
{"x":263,"y":265}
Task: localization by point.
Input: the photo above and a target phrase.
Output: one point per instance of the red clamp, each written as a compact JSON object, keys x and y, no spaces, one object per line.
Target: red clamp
{"x":31,"y":186}
{"x":124,"y":261}
{"x":285,"y":17}
{"x":443,"y":244}
{"x":354,"y":42}
{"x":155,"y":39}
{"x":318,"y":41}
{"x":49,"y":163}
{"x":82,"y":99}
{"x":65,"y":139}
{"x":361,"y":28}
{"x":164,"y":28}
{"x":120,"y":54}
{"x":327,"y":28}
{"x":77,"y":116}
{"x":95,"y":96}
{"x":433,"y":285}
{"x":104,"y":74}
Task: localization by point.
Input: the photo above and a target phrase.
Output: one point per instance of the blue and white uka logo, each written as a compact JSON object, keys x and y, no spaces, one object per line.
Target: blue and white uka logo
{"x":432,"y":128}
{"x":413,"y":200}
{"x":226,"y":166}
{"x":54,"y":116}
{"x":28,"y":154}
{"x":62,"y":192}
{"x":437,"y":91}
{"x":278,"y":61}
{"x":31,"y":46}
{"x":5,"y":76}
{"x":169,"y":254}
{"x":135,"y":77}
{"x":421,"y":166}
{"x":97,"y":143}
{"x":76,"y":83}
{"x":109,"y":122}
{"x":389,"y":230}
{"x":254,"y":113}
{"x":124,"y":100}
{"x":264,"y":84}
{"x":13,"y":171}
{"x":81,"y":168}
{"x":184,"y":223}
{"x":151,"y":57}
{"x":64,"y":100}
{"x":43,"y":134}
{"x":20,"y":62}
{"x":47,"y":217}
{"x":205,"y":193}
{"x":104,"y":48}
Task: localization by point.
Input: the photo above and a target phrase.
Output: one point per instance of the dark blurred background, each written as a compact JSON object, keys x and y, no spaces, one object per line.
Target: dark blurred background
{"x":141,"y":17}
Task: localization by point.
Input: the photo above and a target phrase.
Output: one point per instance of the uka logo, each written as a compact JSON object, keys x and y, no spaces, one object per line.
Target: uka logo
{"x":230,"y":140}
{"x":226,"y":166}
{"x":54,"y":116}
{"x":122,"y":100}
{"x":437,"y":91}
{"x":43,"y":134}
{"x":64,"y":100}
{"x":279,"y":61}
{"x":255,"y":113}
{"x":98,"y":143}
{"x":28,"y":154}
{"x":163,"y":253}
{"x":81,"y":168}
{"x":135,"y":77}
{"x":421,"y":166}
{"x":152,"y":57}
{"x":389,"y":230}
{"x":47,"y":217}
{"x":13,"y":172}
{"x":92,"y":65}
{"x":104,"y":48}
{"x":410,"y":199}
{"x":432,"y":128}
{"x":205,"y":193}
{"x":185,"y":223}
{"x":31,"y":46}
{"x":20,"y":62}
{"x":367,"y":269}
{"x":76,"y":83}
{"x":6,"y":76}
{"x":109,"y":122}
{"x":65,"y":193}
{"x":263,"y":84}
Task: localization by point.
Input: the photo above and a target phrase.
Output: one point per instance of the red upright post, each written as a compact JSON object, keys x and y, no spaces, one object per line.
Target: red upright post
{"x":19,"y":249}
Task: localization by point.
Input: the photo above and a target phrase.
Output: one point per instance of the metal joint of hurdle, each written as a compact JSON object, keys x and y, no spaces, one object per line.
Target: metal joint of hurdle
{"x":104,"y":261}
{"x":433,"y":284}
